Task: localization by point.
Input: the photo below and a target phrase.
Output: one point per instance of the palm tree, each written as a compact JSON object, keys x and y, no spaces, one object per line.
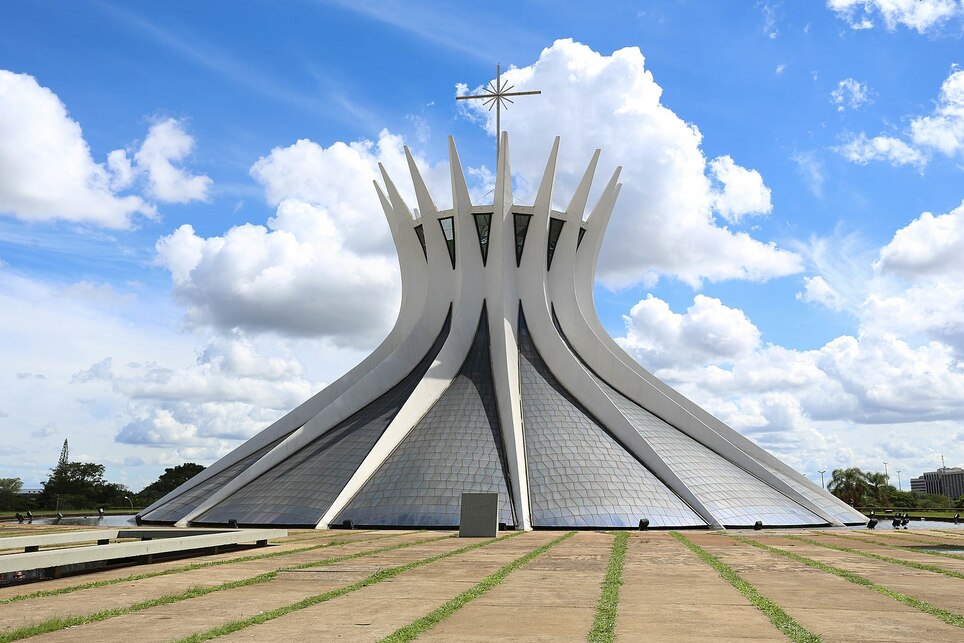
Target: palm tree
{"x":878,"y":482}
{"x":849,"y":485}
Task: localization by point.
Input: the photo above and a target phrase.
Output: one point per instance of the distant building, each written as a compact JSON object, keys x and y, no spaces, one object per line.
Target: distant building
{"x":24,"y":491}
{"x":945,"y":481}
{"x":918,"y":485}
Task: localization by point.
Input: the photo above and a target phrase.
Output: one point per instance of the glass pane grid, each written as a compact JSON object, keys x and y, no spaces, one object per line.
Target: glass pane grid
{"x":579,"y":475}
{"x":298,"y":490}
{"x":734,"y":496}
{"x":455,"y":448}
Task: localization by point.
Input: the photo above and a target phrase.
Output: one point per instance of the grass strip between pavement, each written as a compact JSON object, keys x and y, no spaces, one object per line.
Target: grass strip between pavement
{"x":604,"y":623}
{"x":908,"y":548}
{"x":780,"y":619}
{"x":377,"y":577}
{"x":54,"y":624}
{"x":44,"y":593}
{"x":887,"y":559}
{"x":947,"y":616}
{"x":414,"y":629}
{"x":331,"y":533}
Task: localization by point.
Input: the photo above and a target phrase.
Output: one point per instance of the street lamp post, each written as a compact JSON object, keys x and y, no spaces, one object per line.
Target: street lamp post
{"x":899,"y":488}
{"x":127,"y":498}
{"x":885,"y":471}
{"x":821,"y":479}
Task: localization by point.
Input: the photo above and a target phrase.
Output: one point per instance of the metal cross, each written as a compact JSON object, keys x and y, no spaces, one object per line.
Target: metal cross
{"x":497,"y":95}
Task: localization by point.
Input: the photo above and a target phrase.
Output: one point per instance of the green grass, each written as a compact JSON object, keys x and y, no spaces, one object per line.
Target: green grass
{"x":947,"y":616}
{"x":188,"y":568}
{"x":604,"y":624}
{"x":780,"y":619}
{"x":377,"y":577}
{"x":888,"y":559}
{"x":413,"y":630}
{"x":327,"y":534}
{"x":910,"y":548}
{"x":52,"y":625}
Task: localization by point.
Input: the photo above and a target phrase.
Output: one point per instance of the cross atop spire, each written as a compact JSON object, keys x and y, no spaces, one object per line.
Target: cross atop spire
{"x":497,"y":95}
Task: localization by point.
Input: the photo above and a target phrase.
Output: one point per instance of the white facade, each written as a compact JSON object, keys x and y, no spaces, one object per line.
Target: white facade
{"x":499,"y":377}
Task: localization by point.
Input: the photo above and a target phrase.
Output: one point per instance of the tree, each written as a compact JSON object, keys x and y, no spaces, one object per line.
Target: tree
{"x":878,"y":485}
{"x":9,"y":490}
{"x":172,"y":478}
{"x":80,"y":485}
{"x":10,"y":485}
{"x":849,"y":485}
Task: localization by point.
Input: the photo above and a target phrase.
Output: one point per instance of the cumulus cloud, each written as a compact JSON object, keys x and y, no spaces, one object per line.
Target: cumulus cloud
{"x":850,"y":94}
{"x":230,"y":393}
{"x":941,"y":132}
{"x":46,"y":168}
{"x":322,"y":266}
{"x":929,"y":245}
{"x":743,"y":191}
{"x":816,"y":290}
{"x":664,"y":222}
{"x":903,"y":367}
{"x":920,"y":15}
{"x":167,"y":143}
{"x":709,"y":332}
{"x":944,"y":131}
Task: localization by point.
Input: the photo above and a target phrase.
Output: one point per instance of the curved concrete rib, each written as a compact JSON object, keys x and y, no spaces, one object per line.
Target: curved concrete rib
{"x":577,"y":316}
{"x":384,"y":375}
{"x":565,"y":331}
{"x":565,"y":367}
{"x":501,"y":299}
{"x":469,"y":300}
{"x":414,"y":288}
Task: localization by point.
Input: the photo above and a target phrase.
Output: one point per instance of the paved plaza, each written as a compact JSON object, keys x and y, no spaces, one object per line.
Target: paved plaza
{"x":359,"y":585}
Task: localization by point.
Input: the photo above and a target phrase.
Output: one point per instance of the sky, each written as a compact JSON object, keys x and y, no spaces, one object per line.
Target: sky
{"x":190,"y":244}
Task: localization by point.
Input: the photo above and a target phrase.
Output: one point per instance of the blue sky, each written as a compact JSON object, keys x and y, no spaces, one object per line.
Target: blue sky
{"x":770,"y":255}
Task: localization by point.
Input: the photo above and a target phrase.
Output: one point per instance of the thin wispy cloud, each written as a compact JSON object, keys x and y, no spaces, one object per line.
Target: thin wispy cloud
{"x":475,"y":36}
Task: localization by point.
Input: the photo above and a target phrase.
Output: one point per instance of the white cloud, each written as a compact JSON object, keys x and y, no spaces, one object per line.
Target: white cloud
{"x":861,"y":150}
{"x":708,"y":332}
{"x":328,"y":242}
{"x":944,"y":131}
{"x":920,"y":15}
{"x":900,"y":375}
{"x":927,"y":246}
{"x":166,"y":143}
{"x":230,"y":393}
{"x":782,"y":67}
{"x":816,"y":290}
{"x":46,"y":168}
{"x":743,"y":190}
{"x":663,"y":223}
{"x":850,"y":94}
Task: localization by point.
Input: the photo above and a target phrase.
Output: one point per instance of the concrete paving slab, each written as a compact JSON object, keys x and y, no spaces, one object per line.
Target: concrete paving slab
{"x":124,"y":572}
{"x":942,"y":591}
{"x":823,"y":603}
{"x":375,"y":612}
{"x":88,"y":601}
{"x":668,"y":594}
{"x":553,"y":598}
{"x":864,"y":544}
